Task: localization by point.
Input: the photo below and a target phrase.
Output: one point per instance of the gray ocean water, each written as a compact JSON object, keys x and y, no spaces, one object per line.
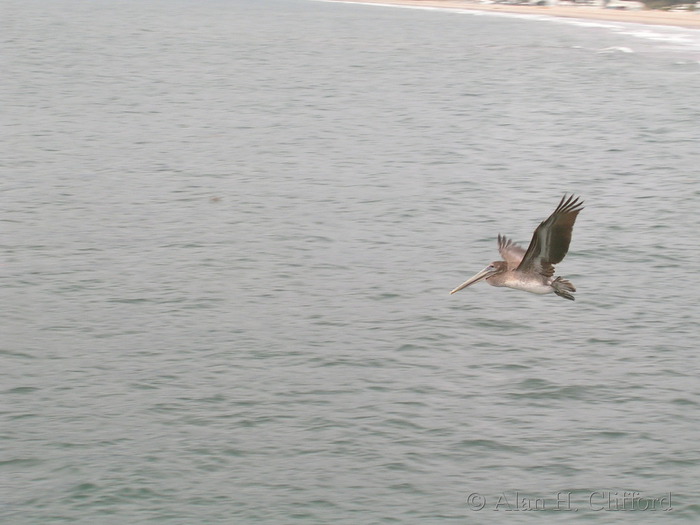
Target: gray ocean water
{"x":229,"y":230}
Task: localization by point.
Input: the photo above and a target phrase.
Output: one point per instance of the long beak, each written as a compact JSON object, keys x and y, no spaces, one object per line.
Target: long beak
{"x":483,"y":274}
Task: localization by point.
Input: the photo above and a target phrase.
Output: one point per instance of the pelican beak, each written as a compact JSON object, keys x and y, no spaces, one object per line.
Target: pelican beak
{"x":483,"y":274}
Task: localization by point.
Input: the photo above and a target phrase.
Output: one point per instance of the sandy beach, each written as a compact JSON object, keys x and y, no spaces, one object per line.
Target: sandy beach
{"x":647,"y":16}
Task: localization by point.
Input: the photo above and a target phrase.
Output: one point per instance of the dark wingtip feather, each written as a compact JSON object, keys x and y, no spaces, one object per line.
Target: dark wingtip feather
{"x":573,"y":203}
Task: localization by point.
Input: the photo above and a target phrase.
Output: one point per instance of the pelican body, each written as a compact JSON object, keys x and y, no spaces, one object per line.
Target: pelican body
{"x":532,"y":270}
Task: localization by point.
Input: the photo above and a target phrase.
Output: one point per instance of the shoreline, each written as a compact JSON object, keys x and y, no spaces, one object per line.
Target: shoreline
{"x":645,"y":16}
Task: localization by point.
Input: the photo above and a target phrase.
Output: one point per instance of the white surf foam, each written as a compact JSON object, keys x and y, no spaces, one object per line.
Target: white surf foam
{"x":670,"y":37}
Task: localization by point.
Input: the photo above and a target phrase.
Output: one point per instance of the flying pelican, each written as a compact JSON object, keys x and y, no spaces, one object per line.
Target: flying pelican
{"x":533,"y":270}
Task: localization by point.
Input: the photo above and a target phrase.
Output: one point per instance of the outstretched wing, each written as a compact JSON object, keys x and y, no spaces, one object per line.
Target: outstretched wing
{"x":551,"y":239}
{"x":511,"y":252}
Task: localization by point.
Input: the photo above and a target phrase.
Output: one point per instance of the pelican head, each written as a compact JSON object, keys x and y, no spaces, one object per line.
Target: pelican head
{"x":492,"y":269}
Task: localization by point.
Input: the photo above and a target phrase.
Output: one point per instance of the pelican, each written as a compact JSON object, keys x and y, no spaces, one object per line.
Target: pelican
{"x":532,"y":270}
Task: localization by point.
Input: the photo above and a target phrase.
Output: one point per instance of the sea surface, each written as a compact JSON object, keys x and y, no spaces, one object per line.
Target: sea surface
{"x":228,"y":233}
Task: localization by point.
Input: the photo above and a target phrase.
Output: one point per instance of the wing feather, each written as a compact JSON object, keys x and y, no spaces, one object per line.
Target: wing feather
{"x":551,"y":239}
{"x":511,"y":252}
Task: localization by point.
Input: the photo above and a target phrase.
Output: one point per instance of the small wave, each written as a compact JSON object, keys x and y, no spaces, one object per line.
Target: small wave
{"x":616,"y":49}
{"x":673,"y":38}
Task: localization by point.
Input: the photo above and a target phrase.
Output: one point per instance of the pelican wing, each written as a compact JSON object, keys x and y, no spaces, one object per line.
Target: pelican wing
{"x":511,"y":252}
{"x":551,"y":239}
